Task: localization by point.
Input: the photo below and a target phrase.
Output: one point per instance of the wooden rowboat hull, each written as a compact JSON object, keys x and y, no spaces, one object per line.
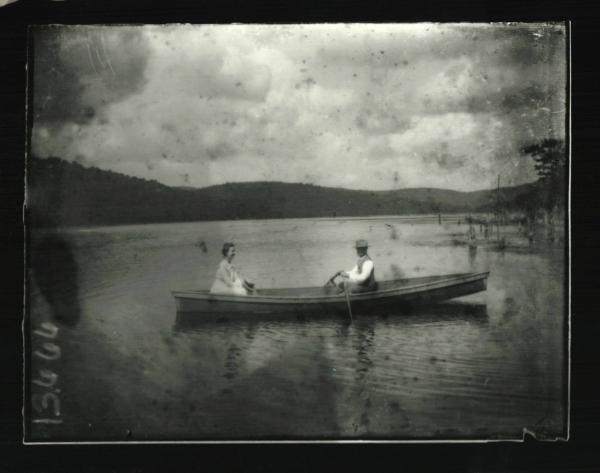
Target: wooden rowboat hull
{"x":391,"y":296}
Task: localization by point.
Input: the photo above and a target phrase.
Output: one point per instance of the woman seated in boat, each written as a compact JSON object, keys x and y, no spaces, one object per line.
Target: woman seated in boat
{"x":227,"y":279}
{"x":361,"y":278}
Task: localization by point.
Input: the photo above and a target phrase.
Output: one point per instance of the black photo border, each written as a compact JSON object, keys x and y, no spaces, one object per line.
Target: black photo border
{"x":581,"y":453}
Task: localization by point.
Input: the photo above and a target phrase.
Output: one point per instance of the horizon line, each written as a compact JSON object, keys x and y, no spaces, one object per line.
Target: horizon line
{"x":189,"y":187}
{"x":338,"y":188}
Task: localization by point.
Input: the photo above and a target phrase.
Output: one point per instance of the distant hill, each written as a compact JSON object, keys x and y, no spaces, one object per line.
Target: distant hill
{"x":65,"y":193}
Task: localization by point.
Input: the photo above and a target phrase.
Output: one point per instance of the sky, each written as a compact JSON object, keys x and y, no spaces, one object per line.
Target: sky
{"x":359,"y":106}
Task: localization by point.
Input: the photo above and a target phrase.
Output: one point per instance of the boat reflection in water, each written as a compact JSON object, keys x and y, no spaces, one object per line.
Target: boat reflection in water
{"x":324,"y":376}
{"x":450,"y":312}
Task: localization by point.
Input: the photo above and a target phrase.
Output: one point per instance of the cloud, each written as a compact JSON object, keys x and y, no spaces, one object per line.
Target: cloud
{"x":361,"y":106}
{"x":79,"y":70}
{"x":187,"y":60}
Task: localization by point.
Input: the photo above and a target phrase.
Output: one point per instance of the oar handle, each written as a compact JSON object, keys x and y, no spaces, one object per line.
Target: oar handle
{"x":330,"y":280}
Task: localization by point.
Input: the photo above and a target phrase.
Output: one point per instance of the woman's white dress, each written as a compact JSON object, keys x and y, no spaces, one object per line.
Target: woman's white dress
{"x":228,"y":281}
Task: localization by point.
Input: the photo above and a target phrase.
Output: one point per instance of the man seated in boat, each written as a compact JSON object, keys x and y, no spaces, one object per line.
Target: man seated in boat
{"x":361,"y":278}
{"x":227,"y":279}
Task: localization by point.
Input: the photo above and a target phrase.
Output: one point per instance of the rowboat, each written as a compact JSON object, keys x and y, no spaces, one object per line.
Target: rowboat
{"x":391,"y":295}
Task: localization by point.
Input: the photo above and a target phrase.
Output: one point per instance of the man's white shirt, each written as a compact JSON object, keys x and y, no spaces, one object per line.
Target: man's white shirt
{"x":355,"y":276}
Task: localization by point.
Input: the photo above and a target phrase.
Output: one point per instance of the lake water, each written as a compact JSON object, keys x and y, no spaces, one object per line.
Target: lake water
{"x":482,"y":366}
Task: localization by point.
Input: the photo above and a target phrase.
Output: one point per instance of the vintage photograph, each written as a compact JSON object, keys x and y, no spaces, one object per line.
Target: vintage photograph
{"x":310,"y":232}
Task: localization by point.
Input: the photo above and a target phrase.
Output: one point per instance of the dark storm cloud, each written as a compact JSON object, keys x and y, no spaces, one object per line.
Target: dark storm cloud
{"x":506,"y":100}
{"x":404,"y":48}
{"x":375,"y":121}
{"x":444,"y":159}
{"x":511,"y":99}
{"x":530,"y":96}
{"x":221,"y":150}
{"x":80,"y":70}
{"x":308,"y":82}
{"x":501,"y":44}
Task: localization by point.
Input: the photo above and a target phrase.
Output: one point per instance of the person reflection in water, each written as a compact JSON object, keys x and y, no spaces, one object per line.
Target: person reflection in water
{"x":227,"y":279}
{"x":361,"y":278}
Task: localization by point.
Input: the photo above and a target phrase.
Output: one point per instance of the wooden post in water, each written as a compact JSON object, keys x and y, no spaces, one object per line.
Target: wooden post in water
{"x":498,"y":210}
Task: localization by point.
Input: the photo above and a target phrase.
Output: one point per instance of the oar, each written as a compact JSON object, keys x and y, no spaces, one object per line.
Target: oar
{"x":345,"y":292}
{"x":348,"y":301}
{"x":330,"y":280}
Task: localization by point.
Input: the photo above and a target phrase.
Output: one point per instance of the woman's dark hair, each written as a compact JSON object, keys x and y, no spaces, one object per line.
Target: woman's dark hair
{"x":226,"y":247}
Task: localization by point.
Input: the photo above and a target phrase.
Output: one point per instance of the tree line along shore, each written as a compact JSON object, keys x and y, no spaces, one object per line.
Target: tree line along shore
{"x":62,"y":193}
